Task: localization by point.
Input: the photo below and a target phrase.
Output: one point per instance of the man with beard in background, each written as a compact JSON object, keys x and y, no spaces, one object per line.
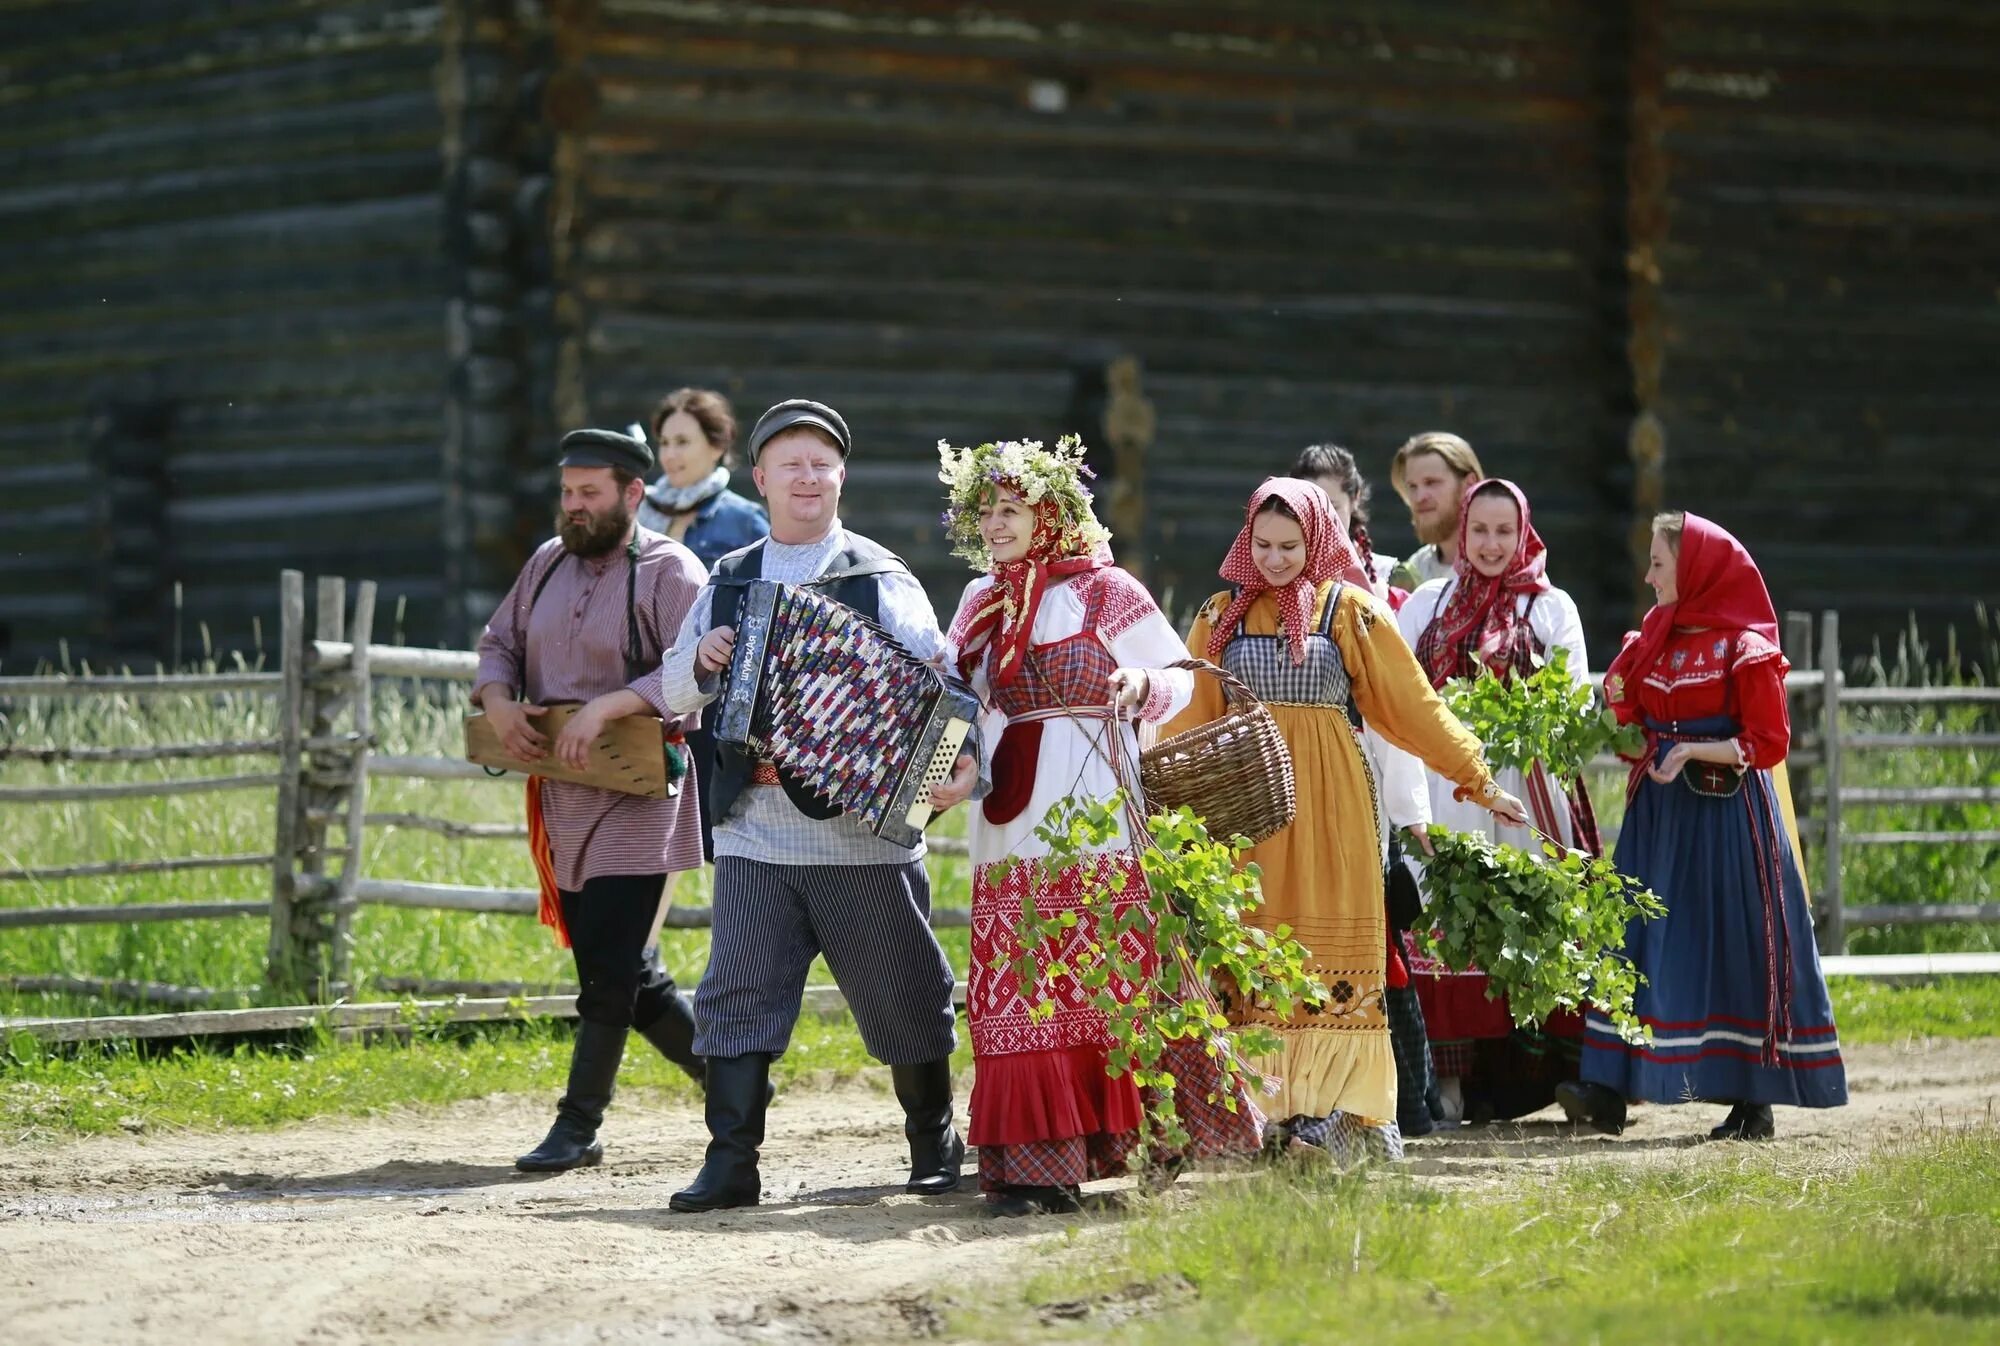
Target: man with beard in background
{"x":1430,"y":473}
{"x":588,"y":620}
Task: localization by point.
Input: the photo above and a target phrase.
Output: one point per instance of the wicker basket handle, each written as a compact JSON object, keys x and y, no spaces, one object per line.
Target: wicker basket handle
{"x":1235,"y":694}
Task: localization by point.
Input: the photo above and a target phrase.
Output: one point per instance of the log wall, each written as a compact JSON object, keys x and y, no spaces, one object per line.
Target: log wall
{"x":318,"y":285}
{"x":221,"y":337}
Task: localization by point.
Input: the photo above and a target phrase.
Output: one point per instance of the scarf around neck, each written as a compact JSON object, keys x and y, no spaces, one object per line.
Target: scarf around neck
{"x":1717,"y":587}
{"x":670,"y":499}
{"x":1479,"y":624}
{"x":1004,"y":617}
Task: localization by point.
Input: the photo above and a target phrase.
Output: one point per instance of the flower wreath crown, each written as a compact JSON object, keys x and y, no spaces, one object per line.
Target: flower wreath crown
{"x":1043,"y":476}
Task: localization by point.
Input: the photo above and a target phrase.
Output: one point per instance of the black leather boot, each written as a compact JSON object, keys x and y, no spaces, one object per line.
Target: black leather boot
{"x":1596,"y":1106}
{"x":672,"y":1034}
{"x":738,"y":1089}
{"x":593,"y":1072}
{"x":937,"y":1155}
{"x":1747,"y":1121}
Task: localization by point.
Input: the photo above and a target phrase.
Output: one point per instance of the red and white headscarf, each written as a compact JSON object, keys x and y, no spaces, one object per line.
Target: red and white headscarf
{"x":1480,"y":624}
{"x":1329,"y":556}
{"x":1005,"y":615}
{"x":1717,"y":588}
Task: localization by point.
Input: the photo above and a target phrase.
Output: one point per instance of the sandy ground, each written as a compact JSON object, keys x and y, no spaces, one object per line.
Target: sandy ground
{"x":417,"y":1229}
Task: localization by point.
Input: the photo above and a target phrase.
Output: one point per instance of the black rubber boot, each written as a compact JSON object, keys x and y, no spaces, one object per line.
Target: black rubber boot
{"x":672,"y":1035}
{"x":937,"y":1155}
{"x":1596,"y":1106}
{"x":1747,"y":1121}
{"x":738,"y":1090}
{"x":1015,"y":1202}
{"x":593,"y":1072}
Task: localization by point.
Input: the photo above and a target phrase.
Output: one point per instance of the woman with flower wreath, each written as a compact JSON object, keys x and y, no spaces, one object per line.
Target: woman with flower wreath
{"x":1497,"y":612}
{"x":1302,"y":628}
{"x":1064,"y":648}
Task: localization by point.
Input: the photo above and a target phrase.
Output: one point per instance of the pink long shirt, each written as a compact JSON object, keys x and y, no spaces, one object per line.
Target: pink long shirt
{"x":573,"y":648}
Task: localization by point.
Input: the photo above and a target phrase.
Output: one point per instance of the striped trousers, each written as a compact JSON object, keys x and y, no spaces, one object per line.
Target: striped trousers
{"x":872,"y":922}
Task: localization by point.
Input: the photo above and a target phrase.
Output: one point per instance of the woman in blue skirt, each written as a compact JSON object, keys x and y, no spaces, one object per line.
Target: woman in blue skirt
{"x":1734,"y":995}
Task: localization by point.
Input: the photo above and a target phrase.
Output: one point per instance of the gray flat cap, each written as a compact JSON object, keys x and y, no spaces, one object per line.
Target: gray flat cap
{"x":797,"y":411}
{"x":606,"y":448}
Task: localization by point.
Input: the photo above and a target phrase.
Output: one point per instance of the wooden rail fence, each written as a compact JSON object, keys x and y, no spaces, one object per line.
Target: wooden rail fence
{"x":325,"y":755}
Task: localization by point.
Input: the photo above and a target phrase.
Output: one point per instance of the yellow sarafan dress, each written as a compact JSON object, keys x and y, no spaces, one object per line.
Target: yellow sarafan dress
{"x":1322,"y":876}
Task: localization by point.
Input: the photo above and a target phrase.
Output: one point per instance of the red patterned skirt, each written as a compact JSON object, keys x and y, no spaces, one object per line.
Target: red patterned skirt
{"x":1045,"y":1110}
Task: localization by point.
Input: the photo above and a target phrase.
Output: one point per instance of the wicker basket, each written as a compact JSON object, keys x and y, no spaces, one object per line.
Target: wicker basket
{"x":1235,"y":773}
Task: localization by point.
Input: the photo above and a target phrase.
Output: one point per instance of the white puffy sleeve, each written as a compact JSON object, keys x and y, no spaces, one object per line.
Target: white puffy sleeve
{"x":1137,"y":634}
{"x":1405,"y":787}
{"x":1558,"y":625}
{"x":1419,"y":609}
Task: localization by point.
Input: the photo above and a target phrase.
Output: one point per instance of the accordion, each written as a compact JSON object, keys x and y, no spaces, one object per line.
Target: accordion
{"x":831,"y":699}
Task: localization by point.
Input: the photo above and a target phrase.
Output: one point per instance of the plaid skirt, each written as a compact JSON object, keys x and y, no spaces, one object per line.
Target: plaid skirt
{"x":1213,"y":1131}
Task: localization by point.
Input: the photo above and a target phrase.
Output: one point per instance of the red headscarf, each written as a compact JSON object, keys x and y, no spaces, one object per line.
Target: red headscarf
{"x":1005,"y":616}
{"x":1718,"y":588}
{"x":1328,"y":556}
{"x":1480,"y":625}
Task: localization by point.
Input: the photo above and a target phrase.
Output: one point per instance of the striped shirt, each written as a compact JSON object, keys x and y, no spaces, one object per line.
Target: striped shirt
{"x":763,"y":824}
{"x":573,"y":648}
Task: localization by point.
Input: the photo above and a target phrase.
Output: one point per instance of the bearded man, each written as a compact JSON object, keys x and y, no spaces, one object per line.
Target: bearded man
{"x":1431,"y":473}
{"x":588,"y":620}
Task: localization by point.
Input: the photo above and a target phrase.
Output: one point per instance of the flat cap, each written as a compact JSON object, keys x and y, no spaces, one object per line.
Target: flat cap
{"x":606,"y":448}
{"x":797,"y":411}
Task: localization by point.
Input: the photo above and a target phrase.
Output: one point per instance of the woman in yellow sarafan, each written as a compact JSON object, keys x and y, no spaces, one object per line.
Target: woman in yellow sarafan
{"x":1302,"y":629}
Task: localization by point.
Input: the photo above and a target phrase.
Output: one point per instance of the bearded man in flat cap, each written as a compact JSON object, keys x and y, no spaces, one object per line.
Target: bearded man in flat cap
{"x":588,"y":620}
{"x":794,"y":877}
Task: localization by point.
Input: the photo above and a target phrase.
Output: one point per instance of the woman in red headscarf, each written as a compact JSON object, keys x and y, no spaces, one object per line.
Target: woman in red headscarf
{"x":1065,"y":651}
{"x":1733,"y":994}
{"x":1497,"y":612}
{"x":1301,"y":627}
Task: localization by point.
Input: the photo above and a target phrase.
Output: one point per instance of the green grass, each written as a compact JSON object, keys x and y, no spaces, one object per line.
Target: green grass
{"x":1720,"y":1245}
{"x":50,"y":1094}
{"x":1949,"y":1007}
{"x":1955,"y":872}
{"x":229,"y":954}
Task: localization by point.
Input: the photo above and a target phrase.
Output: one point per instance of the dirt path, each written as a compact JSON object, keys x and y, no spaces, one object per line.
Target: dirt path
{"x":417,"y":1229}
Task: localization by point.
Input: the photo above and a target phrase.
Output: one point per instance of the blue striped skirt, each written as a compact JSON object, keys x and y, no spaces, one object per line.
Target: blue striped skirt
{"x":1734,"y":997}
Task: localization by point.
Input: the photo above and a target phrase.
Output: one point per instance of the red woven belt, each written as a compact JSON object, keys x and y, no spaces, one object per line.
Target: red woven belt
{"x":764,"y":773}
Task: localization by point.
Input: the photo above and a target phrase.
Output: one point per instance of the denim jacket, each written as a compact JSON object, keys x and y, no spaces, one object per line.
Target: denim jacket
{"x":726,"y":522}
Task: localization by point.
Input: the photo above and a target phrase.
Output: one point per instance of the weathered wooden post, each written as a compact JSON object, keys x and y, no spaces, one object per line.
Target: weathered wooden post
{"x":1796,"y":640}
{"x":282,"y":957}
{"x":1833,"y":914}
{"x":1129,"y":424}
{"x":312,"y":931}
{"x":360,"y":631}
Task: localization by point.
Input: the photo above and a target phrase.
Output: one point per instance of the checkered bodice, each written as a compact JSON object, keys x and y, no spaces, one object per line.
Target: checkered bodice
{"x":1070,"y":673}
{"x":1264,"y":663}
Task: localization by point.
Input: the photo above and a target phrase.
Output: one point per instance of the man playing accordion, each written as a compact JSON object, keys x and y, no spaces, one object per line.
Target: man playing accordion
{"x":793,"y":877}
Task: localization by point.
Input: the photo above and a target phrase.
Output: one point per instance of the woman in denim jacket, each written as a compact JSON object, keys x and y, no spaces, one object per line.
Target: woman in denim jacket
{"x":694,"y":433}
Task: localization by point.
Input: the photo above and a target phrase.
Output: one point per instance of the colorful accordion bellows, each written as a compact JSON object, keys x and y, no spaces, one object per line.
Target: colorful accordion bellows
{"x":839,"y":706}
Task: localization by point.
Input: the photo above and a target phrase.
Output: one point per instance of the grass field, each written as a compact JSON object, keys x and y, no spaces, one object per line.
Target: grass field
{"x":1896,"y":1246}
{"x":400,"y":943}
{"x":229,"y":954}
